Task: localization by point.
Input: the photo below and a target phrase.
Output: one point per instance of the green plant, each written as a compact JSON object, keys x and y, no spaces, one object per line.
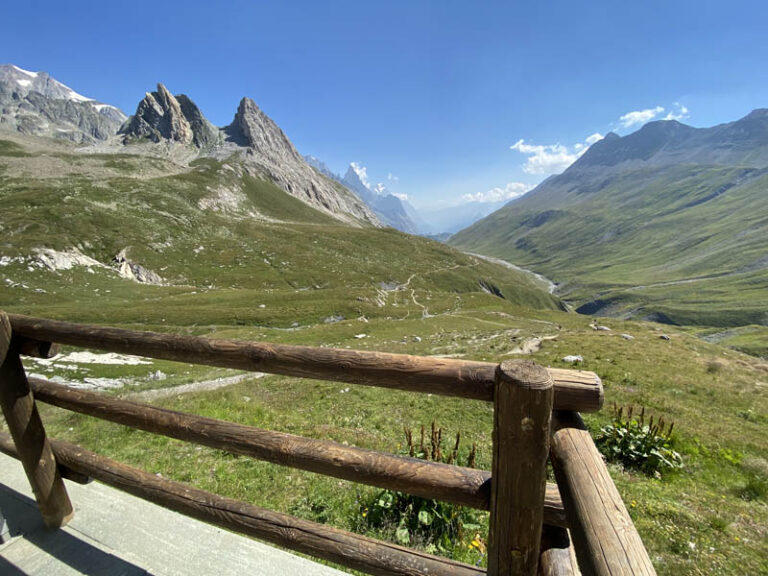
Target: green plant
{"x":438,"y":527}
{"x":637,"y":444}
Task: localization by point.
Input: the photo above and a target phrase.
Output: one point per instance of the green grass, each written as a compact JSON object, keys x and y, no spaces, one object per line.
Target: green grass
{"x":279,"y":281}
{"x":709,"y":518}
{"x":617,"y":241}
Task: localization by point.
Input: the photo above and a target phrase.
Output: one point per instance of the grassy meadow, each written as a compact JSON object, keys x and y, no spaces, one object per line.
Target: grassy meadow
{"x":266,"y":267}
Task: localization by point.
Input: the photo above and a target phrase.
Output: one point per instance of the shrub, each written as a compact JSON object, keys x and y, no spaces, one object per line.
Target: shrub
{"x":637,"y":444}
{"x":438,"y":527}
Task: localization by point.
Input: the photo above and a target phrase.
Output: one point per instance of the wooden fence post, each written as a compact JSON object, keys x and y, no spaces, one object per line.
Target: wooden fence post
{"x":28,"y":434}
{"x":523,"y":399}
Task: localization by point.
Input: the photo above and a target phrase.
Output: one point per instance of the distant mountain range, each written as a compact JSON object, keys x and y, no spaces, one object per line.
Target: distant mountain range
{"x":36,"y":104}
{"x":168,"y":125}
{"x":668,"y":223}
{"x":171,"y":127}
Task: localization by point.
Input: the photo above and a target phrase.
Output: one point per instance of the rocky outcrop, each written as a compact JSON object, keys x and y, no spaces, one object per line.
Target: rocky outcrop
{"x":132,"y":271}
{"x":269,"y":152}
{"x":159,"y":116}
{"x":35,"y":104}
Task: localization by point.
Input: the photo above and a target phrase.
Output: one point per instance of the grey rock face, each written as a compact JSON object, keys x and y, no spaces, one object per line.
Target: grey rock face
{"x":33,"y":103}
{"x":269,"y":151}
{"x":159,"y":116}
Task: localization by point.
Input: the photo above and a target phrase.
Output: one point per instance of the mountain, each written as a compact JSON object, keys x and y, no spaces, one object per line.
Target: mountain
{"x":160,"y":116}
{"x":36,"y":104}
{"x":451,"y":219}
{"x":388,"y":207}
{"x":668,"y":223}
{"x":174,"y":127}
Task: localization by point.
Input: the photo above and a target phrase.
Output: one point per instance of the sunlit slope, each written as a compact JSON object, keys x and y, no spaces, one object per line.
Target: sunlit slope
{"x":228,"y":246}
{"x":684,"y":244}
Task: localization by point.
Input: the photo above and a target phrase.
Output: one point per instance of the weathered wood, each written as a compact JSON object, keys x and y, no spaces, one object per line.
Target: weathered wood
{"x":446,"y":376}
{"x":522,"y":412}
{"x":603,"y":534}
{"x":455,"y":484}
{"x":28,"y":434}
{"x":557,"y":555}
{"x":352,"y":550}
{"x":7,"y":447}
{"x":38,"y":348}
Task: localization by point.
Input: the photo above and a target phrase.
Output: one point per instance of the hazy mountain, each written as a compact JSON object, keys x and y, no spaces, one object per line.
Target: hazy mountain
{"x":36,"y":104}
{"x":451,"y":219}
{"x":390,"y":209}
{"x":669,"y":222}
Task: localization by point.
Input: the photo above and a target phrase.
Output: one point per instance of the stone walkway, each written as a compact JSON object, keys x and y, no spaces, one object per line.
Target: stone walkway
{"x":116,"y":534}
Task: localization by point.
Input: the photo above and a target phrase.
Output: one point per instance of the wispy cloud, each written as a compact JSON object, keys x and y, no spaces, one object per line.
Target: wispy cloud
{"x":640,"y":116}
{"x":391,"y":177}
{"x":552,"y":158}
{"x":510,"y":191}
{"x":362,"y":173}
{"x":680,"y":114}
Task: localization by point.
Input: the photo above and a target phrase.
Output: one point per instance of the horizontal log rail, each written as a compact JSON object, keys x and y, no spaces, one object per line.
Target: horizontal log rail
{"x":465,"y":486}
{"x":574,"y":390}
{"x":603,"y":540}
{"x":318,"y":540}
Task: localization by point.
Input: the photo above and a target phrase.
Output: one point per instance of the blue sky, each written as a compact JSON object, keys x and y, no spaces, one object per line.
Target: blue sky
{"x":435,"y":94}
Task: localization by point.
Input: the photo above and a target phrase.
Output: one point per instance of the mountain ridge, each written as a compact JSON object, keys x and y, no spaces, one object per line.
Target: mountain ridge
{"x":665,"y":223}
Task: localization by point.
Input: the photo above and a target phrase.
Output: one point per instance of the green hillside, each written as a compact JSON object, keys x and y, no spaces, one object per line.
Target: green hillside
{"x":227,"y":244}
{"x":683,"y":243}
{"x":241,"y":259}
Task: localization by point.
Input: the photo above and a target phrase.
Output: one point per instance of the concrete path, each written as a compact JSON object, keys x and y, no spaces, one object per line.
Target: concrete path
{"x":116,"y":534}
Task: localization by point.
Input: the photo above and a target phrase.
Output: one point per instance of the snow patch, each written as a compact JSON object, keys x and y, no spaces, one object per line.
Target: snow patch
{"x":86,"y":357}
{"x":27,"y":72}
{"x":24,"y":83}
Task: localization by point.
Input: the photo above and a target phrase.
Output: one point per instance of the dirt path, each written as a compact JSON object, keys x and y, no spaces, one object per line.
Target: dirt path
{"x":202,"y":386}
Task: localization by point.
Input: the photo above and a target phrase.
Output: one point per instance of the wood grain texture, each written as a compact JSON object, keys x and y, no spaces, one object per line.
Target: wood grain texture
{"x":320,"y":541}
{"x":465,"y":486}
{"x":446,"y":376}
{"x":558,"y":557}
{"x":603,"y":534}
{"x":522,"y":413}
{"x":26,"y":428}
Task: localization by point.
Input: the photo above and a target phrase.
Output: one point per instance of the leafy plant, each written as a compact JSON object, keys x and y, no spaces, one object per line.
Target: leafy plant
{"x":439,"y":527}
{"x":637,"y":444}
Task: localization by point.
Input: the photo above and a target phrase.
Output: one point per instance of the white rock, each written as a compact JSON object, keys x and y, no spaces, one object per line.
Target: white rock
{"x":627,"y":336}
{"x":361,"y":336}
{"x":573,"y":359}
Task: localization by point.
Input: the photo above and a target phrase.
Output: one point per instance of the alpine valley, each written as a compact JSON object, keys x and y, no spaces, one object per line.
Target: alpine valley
{"x":162,"y":221}
{"x":669,"y":223}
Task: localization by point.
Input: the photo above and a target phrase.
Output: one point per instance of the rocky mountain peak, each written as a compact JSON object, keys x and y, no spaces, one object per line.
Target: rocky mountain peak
{"x":159,"y":116}
{"x":254,"y":129}
{"x":35,"y":103}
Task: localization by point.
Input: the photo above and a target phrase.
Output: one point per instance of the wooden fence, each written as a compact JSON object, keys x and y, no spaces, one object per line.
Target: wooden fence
{"x":579,"y":523}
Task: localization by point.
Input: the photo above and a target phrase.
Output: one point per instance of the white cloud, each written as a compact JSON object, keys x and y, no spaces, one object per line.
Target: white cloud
{"x":681,"y":114}
{"x":545,"y":159}
{"x":640,"y":116}
{"x":510,"y":191}
{"x":552,"y":158}
{"x":399,"y":195}
{"x":380,"y":189}
{"x":392,"y":177}
{"x":362,"y":173}
{"x":596,"y":137}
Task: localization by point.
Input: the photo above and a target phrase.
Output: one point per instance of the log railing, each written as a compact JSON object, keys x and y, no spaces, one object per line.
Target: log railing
{"x":584,"y":501}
